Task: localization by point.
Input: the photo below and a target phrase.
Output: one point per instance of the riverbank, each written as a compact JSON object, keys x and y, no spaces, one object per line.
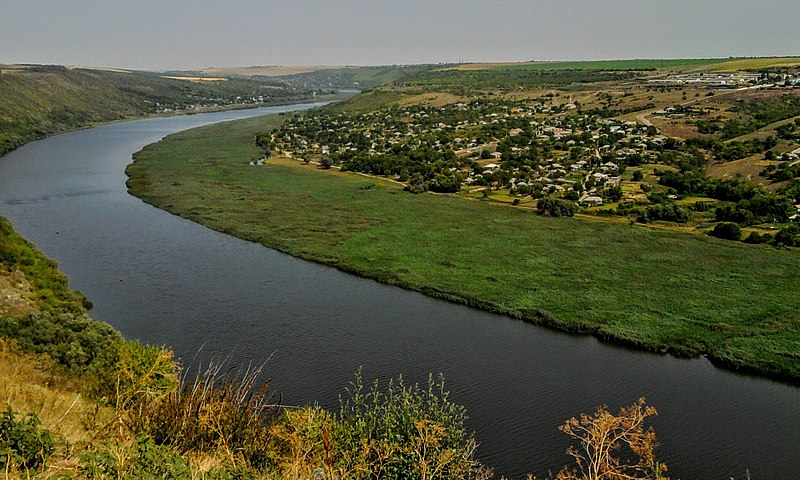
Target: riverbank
{"x":658,"y":291}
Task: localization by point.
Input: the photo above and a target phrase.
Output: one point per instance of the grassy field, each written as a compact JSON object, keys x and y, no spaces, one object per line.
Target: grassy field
{"x":660,"y":291}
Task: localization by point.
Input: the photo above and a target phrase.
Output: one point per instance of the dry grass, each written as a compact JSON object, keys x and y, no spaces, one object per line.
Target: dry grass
{"x":748,"y":168}
{"x":29,"y":386}
{"x":752,"y":64}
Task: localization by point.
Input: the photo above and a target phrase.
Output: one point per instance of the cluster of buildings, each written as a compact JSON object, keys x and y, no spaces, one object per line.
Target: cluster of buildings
{"x":531,"y":147}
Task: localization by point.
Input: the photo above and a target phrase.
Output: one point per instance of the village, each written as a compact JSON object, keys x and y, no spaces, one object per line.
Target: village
{"x":605,"y":161}
{"x":531,"y":149}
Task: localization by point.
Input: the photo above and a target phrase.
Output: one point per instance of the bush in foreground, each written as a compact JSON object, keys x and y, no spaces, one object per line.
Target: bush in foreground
{"x":23,"y":444}
{"x":396,"y":433}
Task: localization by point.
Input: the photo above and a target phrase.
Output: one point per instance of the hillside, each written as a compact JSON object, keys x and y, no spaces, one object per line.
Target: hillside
{"x":40,"y":100}
{"x":323,"y":77}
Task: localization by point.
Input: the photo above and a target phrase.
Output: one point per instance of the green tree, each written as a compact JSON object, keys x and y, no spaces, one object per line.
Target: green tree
{"x":727,"y":231}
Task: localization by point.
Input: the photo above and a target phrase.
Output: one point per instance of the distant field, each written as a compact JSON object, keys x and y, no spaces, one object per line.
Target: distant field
{"x":637,"y":64}
{"x":263,"y":71}
{"x":198,"y":79}
{"x":754,"y":64}
{"x":660,"y":291}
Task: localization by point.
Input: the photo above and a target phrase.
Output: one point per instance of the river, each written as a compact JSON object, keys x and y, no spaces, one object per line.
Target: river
{"x":165,"y":280}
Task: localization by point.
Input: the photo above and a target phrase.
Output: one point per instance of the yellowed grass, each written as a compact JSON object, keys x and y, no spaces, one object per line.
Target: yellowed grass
{"x":752,"y":64}
{"x":29,"y":386}
{"x":748,"y":168}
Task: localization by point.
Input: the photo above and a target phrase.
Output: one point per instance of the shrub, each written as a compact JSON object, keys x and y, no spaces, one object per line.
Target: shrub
{"x":788,"y":236}
{"x":412,"y":432}
{"x":613,"y":446}
{"x":668,"y":212}
{"x":727,"y":231}
{"x":217,"y":413}
{"x":22,"y":442}
{"x":133,"y":373}
{"x":755,"y":238}
{"x":72,"y":341}
{"x":394,"y":433}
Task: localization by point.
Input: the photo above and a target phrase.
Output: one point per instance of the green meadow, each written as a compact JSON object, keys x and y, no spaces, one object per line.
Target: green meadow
{"x":661,"y":291}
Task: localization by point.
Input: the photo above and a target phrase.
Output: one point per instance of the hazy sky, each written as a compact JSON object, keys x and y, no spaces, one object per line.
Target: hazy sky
{"x":159,"y":34}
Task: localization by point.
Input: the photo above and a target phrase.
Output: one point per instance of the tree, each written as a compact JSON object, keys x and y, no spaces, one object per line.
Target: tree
{"x":556,"y":207}
{"x":613,"y":447}
{"x":416,"y":184}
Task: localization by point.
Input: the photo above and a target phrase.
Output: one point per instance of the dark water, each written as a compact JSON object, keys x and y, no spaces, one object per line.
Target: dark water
{"x":166,"y":280}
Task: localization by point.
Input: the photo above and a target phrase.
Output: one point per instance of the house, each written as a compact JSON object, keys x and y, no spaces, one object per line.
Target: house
{"x":610,"y":166}
{"x":591,"y":200}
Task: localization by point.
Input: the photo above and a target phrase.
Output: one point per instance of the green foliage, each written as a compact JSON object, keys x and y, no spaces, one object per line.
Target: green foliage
{"x":556,"y":207}
{"x":763,"y":112}
{"x":23,"y":444}
{"x":396,"y":432}
{"x":417,"y":184}
{"x":414,"y":431}
{"x":727,"y":231}
{"x":668,"y":212}
{"x":145,"y":460}
{"x":788,"y":236}
{"x":72,"y":341}
{"x":465,"y":81}
{"x":132,"y":374}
